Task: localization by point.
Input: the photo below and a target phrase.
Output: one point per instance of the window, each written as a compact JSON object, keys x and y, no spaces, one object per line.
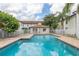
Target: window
{"x":44,"y":29}
{"x":66,"y":28}
{"x":66,"y":22}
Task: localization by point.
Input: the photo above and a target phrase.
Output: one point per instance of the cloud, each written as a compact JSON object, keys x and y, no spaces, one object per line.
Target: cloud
{"x":57,"y":7}
{"x":3,"y":6}
{"x":38,"y":17}
{"x":22,"y":10}
{"x":34,"y":8}
{"x":35,"y":11}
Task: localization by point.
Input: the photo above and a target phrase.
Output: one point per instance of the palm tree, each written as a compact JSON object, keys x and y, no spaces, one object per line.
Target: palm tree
{"x":67,"y":8}
{"x":78,"y":8}
{"x":51,"y":21}
{"x":64,"y":15}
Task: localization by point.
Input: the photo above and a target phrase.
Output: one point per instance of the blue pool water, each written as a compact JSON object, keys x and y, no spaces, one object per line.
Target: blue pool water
{"x":39,"y":45}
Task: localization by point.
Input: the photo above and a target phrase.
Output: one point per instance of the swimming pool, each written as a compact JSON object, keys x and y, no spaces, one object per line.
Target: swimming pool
{"x":39,"y":45}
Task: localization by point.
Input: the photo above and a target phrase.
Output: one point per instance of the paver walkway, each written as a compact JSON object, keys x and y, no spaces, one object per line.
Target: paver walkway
{"x":4,"y":42}
{"x":72,"y":41}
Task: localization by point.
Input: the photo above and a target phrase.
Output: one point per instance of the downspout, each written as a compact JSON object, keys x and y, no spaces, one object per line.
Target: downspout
{"x":76,"y":26}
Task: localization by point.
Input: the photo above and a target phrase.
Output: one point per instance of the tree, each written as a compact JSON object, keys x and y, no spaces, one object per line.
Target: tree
{"x":51,"y":21}
{"x":1,"y":25}
{"x":11,"y":23}
{"x":63,"y":16}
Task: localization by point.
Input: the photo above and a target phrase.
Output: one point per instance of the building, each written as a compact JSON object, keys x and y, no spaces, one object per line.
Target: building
{"x":27,"y":24}
{"x":70,"y":25}
{"x":39,"y":28}
{"x":77,"y":25}
{"x":34,"y":27}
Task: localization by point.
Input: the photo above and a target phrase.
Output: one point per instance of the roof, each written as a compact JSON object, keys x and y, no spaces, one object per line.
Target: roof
{"x":31,"y":22}
{"x":39,"y":26}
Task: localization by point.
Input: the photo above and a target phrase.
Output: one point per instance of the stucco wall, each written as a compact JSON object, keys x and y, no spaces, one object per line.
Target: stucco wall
{"x":70,"y":27}
{"x":20,"y":30}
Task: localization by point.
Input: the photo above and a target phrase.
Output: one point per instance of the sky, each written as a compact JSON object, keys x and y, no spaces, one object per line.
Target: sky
{"x":31,"y":11}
